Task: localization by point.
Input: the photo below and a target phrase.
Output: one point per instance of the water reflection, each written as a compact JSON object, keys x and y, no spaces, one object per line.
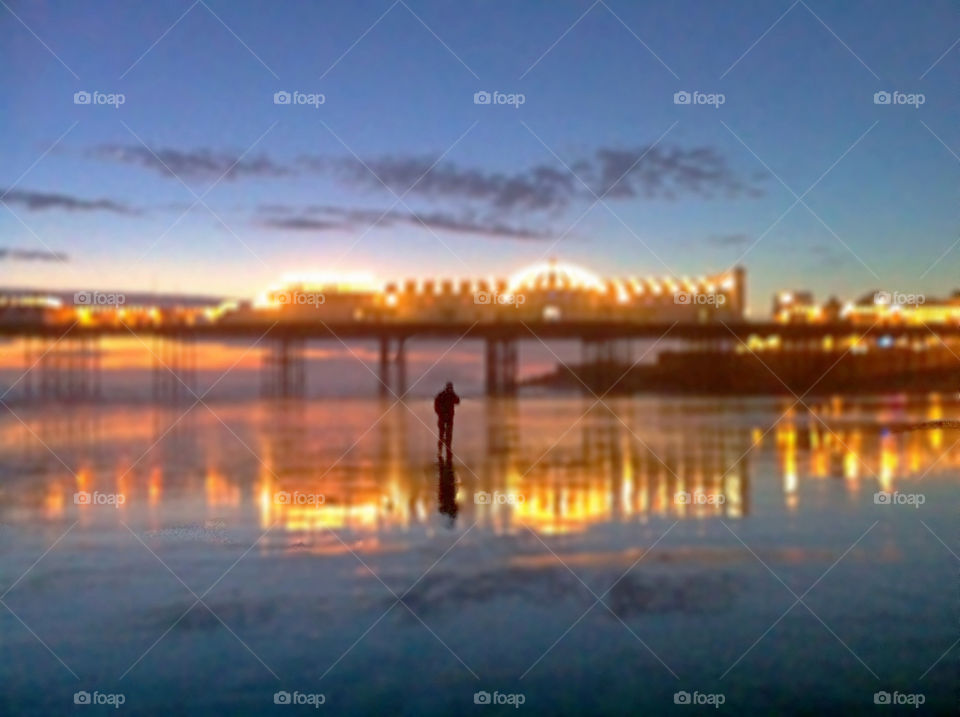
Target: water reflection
{"x":447,"y":489}
{"x":367,"y":467}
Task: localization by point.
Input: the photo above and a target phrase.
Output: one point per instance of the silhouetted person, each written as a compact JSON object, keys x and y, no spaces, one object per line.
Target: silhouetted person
{"x":443,"y":404}
{"x":447,"y":489}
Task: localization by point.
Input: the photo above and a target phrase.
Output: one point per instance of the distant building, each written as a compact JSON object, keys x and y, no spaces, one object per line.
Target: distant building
{"x":883,"y":308}
{"x":894,"y":307}
{"x":795,"y":307}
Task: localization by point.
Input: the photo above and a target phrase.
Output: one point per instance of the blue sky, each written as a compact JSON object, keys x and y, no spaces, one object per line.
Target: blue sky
{"x":512,"y":184}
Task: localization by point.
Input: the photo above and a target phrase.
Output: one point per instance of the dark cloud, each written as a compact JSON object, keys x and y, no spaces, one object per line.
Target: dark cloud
{"x":40,"y":201}
{"x":538,"y":188}
{"x":7,"y":254}
{"x":664,"y":173}
{"x":204,"y":163}
{"x":645,"y":173}
{"x":302,"y":224}
{"x":320,"y":218}
{"x":461,"y":225}
{"x":651,"y":172}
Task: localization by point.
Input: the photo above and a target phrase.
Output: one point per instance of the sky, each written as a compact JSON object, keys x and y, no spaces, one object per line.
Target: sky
{"x":786,"y":161}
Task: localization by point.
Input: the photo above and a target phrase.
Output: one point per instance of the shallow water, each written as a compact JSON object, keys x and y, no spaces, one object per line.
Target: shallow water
{"x":300,"y":547}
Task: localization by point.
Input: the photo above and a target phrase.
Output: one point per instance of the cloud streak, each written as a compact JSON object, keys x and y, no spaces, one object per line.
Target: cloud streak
{"x":197,"y":163}
{"x":323,"y":218}
{"x":644,"y":173}
{"x":7,"y":254}
{"x":43,"y":201}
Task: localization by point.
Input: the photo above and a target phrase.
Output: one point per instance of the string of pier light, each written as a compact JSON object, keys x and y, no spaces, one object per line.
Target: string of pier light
{"x":544,"y":276}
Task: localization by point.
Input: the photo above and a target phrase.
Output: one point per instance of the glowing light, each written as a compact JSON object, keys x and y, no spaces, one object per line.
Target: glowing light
{"x":622,"y":296}
{"x":559,"y":275}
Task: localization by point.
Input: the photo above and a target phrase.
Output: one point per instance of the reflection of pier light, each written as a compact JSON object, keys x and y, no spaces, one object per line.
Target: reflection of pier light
{"x":888,"y":461}
{"x":219,"y":491}
{"x":155,"y":486}
{"x":53,"y":502}
{"x":790,"y":489}
{"x":851,"y":466}
{"x":83,"y":480}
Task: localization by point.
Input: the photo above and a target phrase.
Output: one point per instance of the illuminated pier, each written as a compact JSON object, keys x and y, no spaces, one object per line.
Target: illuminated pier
{"x":704,"y":316}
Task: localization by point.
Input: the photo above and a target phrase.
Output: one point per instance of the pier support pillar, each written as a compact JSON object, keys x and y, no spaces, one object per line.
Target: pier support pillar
{"x":68,"y":369}
{"x":174,"y":368}
{"x":383,"y":386}
{"x":400,"y":366}
{"x":283,"y":368}
{"x":501,"y":367}
{"x":393,"y":367}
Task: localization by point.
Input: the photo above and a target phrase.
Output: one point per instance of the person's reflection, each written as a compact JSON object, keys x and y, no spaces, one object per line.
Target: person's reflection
{"x":447,"y":489}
